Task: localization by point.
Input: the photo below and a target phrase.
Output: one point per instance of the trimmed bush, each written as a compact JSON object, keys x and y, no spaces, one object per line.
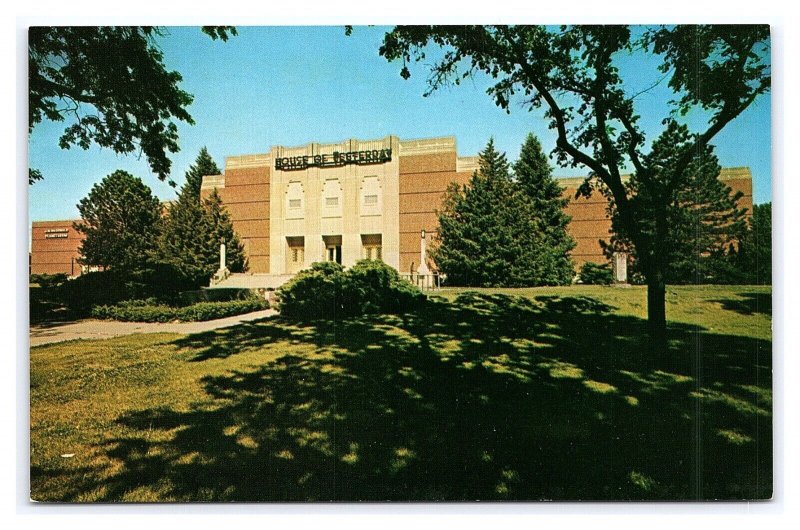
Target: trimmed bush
{"x":151,"y":311}
{"x":48,"y":281}
{"x":327,"y":290}
{"x":594,"y":274}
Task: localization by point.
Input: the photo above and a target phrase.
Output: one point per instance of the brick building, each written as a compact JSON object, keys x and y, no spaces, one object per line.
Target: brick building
{"x":343,"y":202}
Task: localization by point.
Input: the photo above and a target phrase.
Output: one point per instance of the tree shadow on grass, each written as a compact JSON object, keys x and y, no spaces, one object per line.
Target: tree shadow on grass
{"x":491,"y":397}
{"x":749,"y":303}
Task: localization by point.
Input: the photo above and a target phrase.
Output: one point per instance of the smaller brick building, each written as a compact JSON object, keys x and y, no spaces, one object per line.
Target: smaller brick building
{"x":54,"y":248}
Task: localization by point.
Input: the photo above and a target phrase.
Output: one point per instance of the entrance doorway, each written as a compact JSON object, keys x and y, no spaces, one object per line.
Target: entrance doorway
{"x":295,"y":255}
{"x":333,"y":248}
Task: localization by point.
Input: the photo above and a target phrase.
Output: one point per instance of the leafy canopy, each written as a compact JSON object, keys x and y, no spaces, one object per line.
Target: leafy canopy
{"x":111,"y":85}
{"x":121,"y":222}
{"x":573,"y":73}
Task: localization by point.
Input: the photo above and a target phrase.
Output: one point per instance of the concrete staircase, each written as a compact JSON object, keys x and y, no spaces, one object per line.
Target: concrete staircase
{"x":252,"y":281}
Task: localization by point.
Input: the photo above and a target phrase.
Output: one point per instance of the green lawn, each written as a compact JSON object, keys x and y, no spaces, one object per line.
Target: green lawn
{"x":491,"y":394}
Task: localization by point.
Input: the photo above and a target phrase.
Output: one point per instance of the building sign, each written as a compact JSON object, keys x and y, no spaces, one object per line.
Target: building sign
{"x":56,"y":233}
{"x":336,"y":159}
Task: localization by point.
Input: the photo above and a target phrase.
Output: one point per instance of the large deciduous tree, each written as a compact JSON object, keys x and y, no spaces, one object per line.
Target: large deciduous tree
{"x":121,"y":223}
{"x":702,"y":220}
{"x":111,"y":85}
{"x":573,"y":72}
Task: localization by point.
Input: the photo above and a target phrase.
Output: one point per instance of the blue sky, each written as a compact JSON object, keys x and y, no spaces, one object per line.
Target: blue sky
{"x":290,"y":86}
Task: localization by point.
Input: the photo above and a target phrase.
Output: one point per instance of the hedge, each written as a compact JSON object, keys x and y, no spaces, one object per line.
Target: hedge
{"x":151,"y":311}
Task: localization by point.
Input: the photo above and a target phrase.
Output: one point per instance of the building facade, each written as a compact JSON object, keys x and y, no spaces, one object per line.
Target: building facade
{"x":54,"y":248}
{"x":293,"y":206}
{"x":341,"y":202}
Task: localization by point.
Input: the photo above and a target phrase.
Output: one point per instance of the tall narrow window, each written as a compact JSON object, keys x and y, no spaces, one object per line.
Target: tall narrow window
{"x":295,"y":209}
{"x":332,"y":198}
{"x":333,"y":248}
{"x":295,"y":255}
{"x":370,"y":198}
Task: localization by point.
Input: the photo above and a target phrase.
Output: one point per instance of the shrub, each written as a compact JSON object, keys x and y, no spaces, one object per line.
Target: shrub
{"x":596,"y":274}
{"x":48,"y":281}
{"x":373,"y":287}
{"x":151,"y":311}
{"x":160,"y":281}
{"x":326,"y":290}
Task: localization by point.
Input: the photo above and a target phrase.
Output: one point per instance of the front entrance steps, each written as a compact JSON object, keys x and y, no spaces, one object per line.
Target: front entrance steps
{"x":252,"y":281}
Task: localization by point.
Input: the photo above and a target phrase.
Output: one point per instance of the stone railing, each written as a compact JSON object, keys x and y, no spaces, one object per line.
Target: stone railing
{"x":426,"y":282}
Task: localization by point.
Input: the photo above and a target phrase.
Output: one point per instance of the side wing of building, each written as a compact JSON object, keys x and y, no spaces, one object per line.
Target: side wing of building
{"x":244,"y":188}
{"x":591,"y":224}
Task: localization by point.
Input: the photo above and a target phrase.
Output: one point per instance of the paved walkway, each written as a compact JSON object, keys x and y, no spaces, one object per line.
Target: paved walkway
{"x":104,"y":329}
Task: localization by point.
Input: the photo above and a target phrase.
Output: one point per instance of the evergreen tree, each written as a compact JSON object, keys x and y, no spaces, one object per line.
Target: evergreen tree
{"x":487,"y":235}
{"x":220,"y":230}
{"x":121,"y":222}
{"x":754,"y":256}
{"x":695,"y":213}
{"x":203,"y":166}
{"x":194,"y":228}
{"x":534,"y":175}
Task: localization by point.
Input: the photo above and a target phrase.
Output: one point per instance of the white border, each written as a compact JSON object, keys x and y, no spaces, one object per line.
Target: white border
{"x":14,"y":385}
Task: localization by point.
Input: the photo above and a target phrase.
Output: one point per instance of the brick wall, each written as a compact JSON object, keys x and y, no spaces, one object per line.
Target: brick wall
{"x":246,"y":197}
{"x":53,"y":255}
{"x":423,"y":182}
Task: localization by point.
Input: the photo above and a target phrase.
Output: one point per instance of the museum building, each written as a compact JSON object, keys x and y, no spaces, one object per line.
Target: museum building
{"x":342,"y":202}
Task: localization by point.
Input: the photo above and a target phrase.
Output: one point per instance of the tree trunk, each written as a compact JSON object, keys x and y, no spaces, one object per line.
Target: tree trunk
{"x":656,"y":313}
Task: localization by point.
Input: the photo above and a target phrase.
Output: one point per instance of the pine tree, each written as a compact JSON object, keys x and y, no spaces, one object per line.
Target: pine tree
{"x":220,"y":230}
{"x":534,"y":175}
{"x":487,"y":235}
{"x":203,"y":166}
{"x":194,"y":228}
{"x":693,"y":213}
{"x":754,"y":255}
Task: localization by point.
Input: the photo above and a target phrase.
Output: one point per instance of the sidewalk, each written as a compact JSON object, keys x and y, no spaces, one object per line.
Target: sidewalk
{"x":103,"y":329}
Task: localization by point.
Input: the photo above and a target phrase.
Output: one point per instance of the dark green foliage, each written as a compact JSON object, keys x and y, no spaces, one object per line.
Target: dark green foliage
{"x":490,"y":234}
{"x":371,"y":286}
{"x":754,"y":256}
{"x":313,"y":293}
{"x":113,"y":86}
{"x":159,"y":280}
{"x":596,"y":274}
{"x":150,"y":311}
{"x":748,"y":260}
{"x":534,"y":175}
{"x":48,"y":281}
{"x":121,"y":222}
{"x":327,"y":290}
{"x":574,"y":73}
{"x":203,"y":166}
{"x":194,"y":229}
{"x":218,"y":295}
{"x":698,"y":223}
